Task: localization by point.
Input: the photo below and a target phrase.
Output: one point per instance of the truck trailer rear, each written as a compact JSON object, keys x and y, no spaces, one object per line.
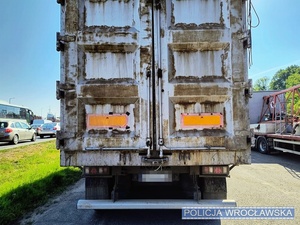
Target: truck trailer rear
{"x":154,"y":99}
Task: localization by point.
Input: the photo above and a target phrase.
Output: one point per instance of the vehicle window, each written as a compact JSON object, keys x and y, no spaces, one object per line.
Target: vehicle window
{"x":38,"y":121}
{"x":12,"y":125}
{"x":24,"y":125}
{"x":3,"y":124}
{"x":18,"y":125}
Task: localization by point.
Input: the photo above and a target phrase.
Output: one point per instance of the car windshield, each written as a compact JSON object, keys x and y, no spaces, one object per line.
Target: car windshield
{"x":3,"y":124}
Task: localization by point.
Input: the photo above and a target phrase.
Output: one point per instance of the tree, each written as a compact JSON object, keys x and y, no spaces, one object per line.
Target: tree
{"x":291,"y":81}
{"x":261,"y":84}
{"x":278,"y":81}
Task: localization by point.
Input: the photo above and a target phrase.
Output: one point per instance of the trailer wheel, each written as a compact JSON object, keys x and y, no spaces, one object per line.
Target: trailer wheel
{"x":262,"y":145}
{"x":123,"y":187}
{"x":187,"y":186}
{"x":213,"y":188}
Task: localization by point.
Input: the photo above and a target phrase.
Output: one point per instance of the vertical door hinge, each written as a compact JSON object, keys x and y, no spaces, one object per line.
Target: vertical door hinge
{"x":59,"y":93}
{"x":248,"y":89}
{"x":148,"y":74}
{"x":61,"y":2}
{"x":157,"y":4}
{"x":62,"y":88}
{"x":159,"y":73}
{"x":61,"y":40}
{"x":246,"y":39}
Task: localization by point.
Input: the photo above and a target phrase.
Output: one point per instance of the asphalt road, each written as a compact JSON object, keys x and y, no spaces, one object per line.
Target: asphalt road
{"x":271,"y":180}
{"x":7,"y":145}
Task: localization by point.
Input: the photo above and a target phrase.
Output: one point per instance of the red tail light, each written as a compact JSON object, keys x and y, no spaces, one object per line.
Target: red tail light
{"x":97,"y":170}
{"x":215,"y":170}
{"x":8,"y":130}
{"x":38,"y":128}
{"x":54,"y":128}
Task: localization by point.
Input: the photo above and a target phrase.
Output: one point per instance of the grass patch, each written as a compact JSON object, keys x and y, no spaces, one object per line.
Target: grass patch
{"x":29,"y":176}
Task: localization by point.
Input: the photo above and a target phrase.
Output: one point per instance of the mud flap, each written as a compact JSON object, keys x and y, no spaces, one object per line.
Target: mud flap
{"x":97,"y":188}
{"x":213,"y":188}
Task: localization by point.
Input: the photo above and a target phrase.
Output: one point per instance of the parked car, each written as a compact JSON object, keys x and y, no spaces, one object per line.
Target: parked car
{"x":48,"y":129}
{"x":15,"y":130}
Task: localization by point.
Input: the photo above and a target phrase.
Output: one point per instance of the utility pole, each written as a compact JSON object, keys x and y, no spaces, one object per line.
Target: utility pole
{"x":10,"y":100}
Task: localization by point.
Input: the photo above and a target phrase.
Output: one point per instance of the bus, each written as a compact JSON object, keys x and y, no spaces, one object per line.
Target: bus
{"x":15,"y":112}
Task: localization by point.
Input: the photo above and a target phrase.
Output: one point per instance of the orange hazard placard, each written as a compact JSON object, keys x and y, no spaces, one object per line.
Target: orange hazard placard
{"x":201,"y":120}
{"x":107,"y":121}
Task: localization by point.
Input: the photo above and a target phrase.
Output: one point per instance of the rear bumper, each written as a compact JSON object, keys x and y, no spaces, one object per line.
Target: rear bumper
{"x":152,"y":204}
{"x":45,"y":133}
{"x":5,"y":138}
{"x":133,"y":158}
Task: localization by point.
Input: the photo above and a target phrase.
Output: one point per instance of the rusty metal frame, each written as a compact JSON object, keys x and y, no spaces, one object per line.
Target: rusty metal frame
{"x":275,"y":106}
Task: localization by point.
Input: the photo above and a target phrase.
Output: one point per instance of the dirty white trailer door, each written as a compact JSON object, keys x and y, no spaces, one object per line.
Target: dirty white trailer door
{"x":204,"y":75}
{"x":153,"y":79}
{"x":105,"y":65}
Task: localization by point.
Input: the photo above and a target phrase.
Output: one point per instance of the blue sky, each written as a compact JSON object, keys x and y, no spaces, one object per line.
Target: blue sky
{"x":276,"y":41}
{"x":29,"y":63}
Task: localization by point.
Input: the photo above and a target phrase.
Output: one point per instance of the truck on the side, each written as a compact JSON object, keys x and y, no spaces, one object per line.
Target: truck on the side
{"x":154,"y":99}
{"x":275,"y":119}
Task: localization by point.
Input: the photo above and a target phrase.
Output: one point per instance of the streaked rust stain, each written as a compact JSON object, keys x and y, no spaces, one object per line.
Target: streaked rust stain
{"x":195,"y":89}
{"x":109,"y":91}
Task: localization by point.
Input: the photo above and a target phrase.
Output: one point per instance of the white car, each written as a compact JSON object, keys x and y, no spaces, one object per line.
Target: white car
{"x":13,"y":130}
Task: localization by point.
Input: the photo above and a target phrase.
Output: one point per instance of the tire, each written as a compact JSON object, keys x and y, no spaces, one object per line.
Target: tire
{"x":124,"y":186}
{"x":187,"y":187}
{"x":262,"y":145}
{"x":15,"y":140}
{"x":33,"y":137}
{"x":213,"y":188}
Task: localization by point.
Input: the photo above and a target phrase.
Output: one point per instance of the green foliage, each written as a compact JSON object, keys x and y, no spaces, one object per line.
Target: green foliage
{"x":291,"y":81}
{"x":278,"y":81}
{"x":261,"y":84}
{"x":283,"y":79}
{"x":29,"y":176}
